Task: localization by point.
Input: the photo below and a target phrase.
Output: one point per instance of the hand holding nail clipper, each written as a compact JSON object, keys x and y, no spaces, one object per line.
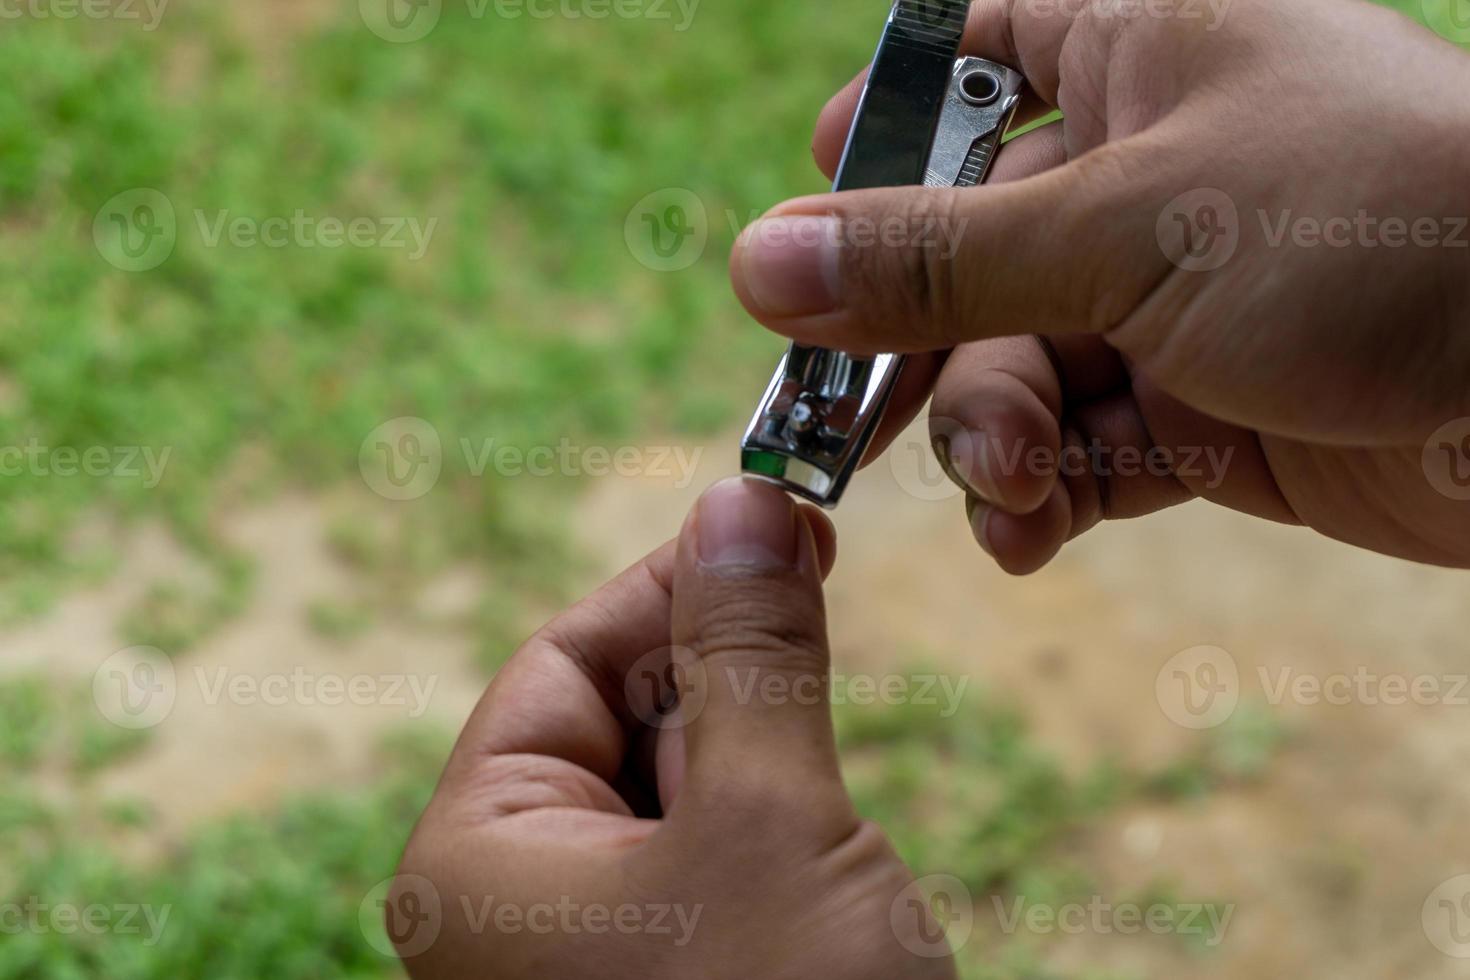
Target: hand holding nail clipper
{"x":924,"y":118}
{"x":1237,"y":269}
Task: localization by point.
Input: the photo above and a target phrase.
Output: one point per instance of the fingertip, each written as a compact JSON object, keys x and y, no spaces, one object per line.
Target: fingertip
{"x":997,"y":440}
{"x":743,"y":525}
{"x":787,"y":265}
{"x":1022,"y":544}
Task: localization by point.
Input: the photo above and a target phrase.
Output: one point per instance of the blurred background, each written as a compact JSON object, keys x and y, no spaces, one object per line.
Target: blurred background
{"x":341,"y":343}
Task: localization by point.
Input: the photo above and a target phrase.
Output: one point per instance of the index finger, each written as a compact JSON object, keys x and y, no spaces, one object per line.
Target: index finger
{"x":559,"y":700}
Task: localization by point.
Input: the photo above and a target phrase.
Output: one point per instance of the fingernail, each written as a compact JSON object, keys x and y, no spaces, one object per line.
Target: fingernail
{"x":791,"y":264}
{"x":979,"y":513}
{"x":968,"y":464}
{"x":746,"y":524}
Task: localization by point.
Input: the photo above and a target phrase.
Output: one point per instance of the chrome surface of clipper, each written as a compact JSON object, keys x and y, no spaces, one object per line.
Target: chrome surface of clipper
{"x":822,"y":407}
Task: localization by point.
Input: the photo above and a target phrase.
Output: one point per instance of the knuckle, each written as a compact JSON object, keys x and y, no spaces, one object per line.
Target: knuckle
{"x":784,"y":821}
{"x":1100,"y":179}
{"x":745,"y":625}
{"x":764,"y":649}
{"x":1104,"y":166}
{"x":868,"y":846}
{"x":899,"y":264}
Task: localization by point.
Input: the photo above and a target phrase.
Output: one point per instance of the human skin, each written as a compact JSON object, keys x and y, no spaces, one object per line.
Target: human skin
{"x":1318,"y":370}
{"x":735,"y":822}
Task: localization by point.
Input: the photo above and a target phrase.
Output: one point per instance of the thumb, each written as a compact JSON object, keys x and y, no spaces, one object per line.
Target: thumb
{"x":748,"y":620}
{"x":908,"y":269}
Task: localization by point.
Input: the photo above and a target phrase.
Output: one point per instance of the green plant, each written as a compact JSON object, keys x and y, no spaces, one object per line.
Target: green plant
{"x":25,"y":720}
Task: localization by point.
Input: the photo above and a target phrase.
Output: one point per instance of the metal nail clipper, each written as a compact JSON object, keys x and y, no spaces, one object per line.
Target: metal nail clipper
{"x":924,"y":118}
